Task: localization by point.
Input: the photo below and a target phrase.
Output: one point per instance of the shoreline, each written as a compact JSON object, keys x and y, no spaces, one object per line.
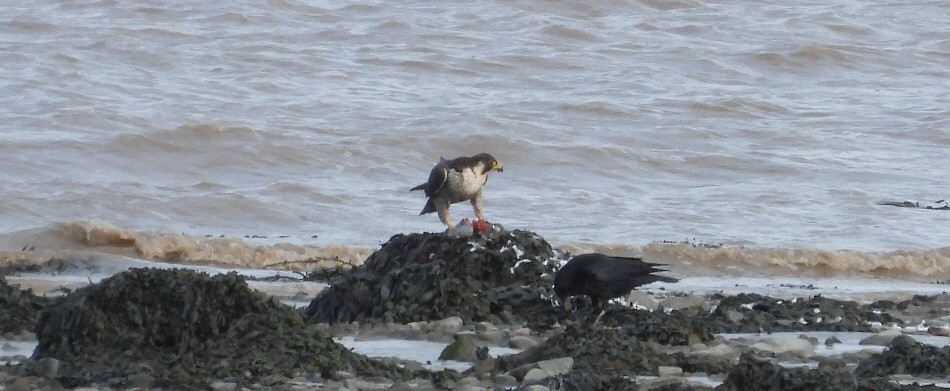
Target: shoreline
{"x":897,"y":300}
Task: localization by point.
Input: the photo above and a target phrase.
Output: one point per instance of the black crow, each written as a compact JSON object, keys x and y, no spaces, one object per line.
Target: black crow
{"x":603,"y":277}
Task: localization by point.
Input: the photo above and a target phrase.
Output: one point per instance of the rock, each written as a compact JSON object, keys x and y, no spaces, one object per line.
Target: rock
{"x":669,"y":371}
{"x":413,"y":385}
{"x":19,"y":384}
{"x":681,"y":302}
{"x":939,"y":331}
{"x":642,"y":299}
{"x":734,"y":316}
{"x":526,"y":331}
{"x":785,"y":346}
{"x":753,"y":313}
{"x":883,"y":338}
{"x":831,"y":341}
{"x":472,"y":384}
{"x":721,"y":350}
{"x":484,"y":326}
{"x":536,"y":387}
{"x":497,"y":277}
{"x":533,"y":372}
{"x":605,"y":351}
{"x":19,"y":309}
{"x":47,"y":367}
{"x":484,"y":362}
{"x":452,"y":324}
{"x":222,"y":386}
{"x":522,"y":342}
{"x":461,"y":349}
{"x":906,"y":356}
{"x":753,"y":374}
{"x":810,"y":339}
{"x":363,"y":385}
{"x":492,"y":337}
{"x":504,"y":380}
{"x":139,"y":380}
{"x":557,"y":366}
{"x":129,"y":325}
{"x":534,"y":375}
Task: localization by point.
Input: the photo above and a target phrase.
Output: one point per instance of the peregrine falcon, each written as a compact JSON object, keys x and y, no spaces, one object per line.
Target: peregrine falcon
{"x":457,"y":180}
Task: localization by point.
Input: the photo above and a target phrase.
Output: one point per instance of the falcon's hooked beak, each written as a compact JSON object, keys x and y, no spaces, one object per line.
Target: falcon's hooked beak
{"x":493,"y":166}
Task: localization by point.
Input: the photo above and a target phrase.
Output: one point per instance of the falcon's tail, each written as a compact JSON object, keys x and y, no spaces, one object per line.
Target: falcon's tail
{"x":429,"y":208}
{"x":420,"y":187}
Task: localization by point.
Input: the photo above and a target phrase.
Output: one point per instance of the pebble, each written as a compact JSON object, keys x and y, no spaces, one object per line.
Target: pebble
{"x":557,"y":366}
{"x":782,"y":346}
{"x":504,"y":380}
{"x":534,"y":375}
{"x":939,"y":331}
{"x":47,"y":367}
{"x":883,"y":338}
{"x":452,"y":324}
{"x":642,"y":299}
{"x":462,"y":349}
{"x":670,"y":371}
{"x":522,"y":342}
{"x":831,"y":341}
{"x":680,"y":302}
{"x":19,"y":384}
{"x":223,"y":386}
{"x":720,"y":350}
{"x":139,"y":380}
{"x":812,"y":340}
{"x":365,"y":385}
{"x":493,"y":337}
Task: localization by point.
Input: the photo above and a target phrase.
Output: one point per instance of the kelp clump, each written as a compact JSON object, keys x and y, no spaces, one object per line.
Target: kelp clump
{"x":499,"y":277}
{"x":19,"y":308}
{"x":183,"y":329}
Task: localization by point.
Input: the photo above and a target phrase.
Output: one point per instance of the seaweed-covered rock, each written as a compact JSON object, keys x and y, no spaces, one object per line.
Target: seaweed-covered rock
{"x":674,"y":328}
{"x":19,"y":309}
{"x":750,"y":312}
{"x":186,"y":329}
{"x":608,"y":352}
{"x":500,"y":277}
{"x":753,"y":374}
{"x":907,"y":356}
{"x":588,"y":381}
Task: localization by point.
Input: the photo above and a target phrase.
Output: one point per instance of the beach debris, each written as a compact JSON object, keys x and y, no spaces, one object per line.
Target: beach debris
{"x":942,"y":204}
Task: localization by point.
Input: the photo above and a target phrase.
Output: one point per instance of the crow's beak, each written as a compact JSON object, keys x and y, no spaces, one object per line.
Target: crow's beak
{"x":566,"y":302}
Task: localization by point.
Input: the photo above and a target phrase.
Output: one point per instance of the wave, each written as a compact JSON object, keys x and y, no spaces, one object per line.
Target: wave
{"x":99,"y":241}
{"x":690,"y":259}
{"x":83,"y":241}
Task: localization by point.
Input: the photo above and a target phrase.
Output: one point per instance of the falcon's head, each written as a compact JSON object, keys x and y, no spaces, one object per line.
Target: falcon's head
{"x":489,"y":163}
